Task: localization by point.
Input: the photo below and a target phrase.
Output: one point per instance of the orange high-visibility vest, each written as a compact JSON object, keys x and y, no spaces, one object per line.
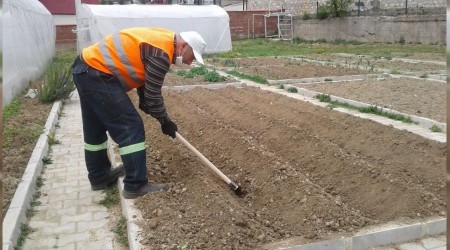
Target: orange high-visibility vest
{"x":119,"y":53}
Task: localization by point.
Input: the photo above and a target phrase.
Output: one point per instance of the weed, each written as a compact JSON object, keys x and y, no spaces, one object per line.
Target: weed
{"x":111,"y":197}
{"x":25,"y":230}
{"x":182,"y":72}
{"x":371,"y":109}
{"x":306,"y":16}
{"x":213,"y":76}
{"x":230,"y":62}
{"x":395,"y":72}
{"x":11,"y":109}
{"x":402,"y":40}
{"x":281,"y":86}
{"x":52,"y":140}
{"x":202,"y":70}
{"x":257,"y":79}
{"x":59,"y":83}
{"x":435,"y":129}
{"x":323,"y":98}
{"x":292,"y":90}
{"x":424,"y":75}
{"x":328,"y":79}
{"x":121,"y":231}
{"x":47,"y":160}
{"x":39,"y":182}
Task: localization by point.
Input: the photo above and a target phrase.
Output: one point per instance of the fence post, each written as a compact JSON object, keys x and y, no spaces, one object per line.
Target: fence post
{"x":406,"y":7}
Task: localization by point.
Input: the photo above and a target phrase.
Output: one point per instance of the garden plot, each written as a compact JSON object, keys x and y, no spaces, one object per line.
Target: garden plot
{"x":391,"y":65}
{"x":277,"y":68}
{"x":310,"y":173}
{"x":180,"y":76}
{"x":419,"y":97}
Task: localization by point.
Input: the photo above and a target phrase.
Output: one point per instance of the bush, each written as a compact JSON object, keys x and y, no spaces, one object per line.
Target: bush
{"x":213,"y":76}
{"x":58,"y":85}
{"x":323,"y":12}
{"x":306,"y":16}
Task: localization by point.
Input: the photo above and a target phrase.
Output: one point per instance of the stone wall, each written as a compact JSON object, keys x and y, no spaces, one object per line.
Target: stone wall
{"x":425,"y":29}
{"x":299,"y":7}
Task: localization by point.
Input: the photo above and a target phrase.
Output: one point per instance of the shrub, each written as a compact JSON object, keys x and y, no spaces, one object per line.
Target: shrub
{"x":58,"y":85}
{"x":323,"y":12}
{"x":306,"y":16}
{"x":213,"y":76}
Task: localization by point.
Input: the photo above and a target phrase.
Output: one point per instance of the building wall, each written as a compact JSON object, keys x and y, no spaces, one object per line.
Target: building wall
{"x":425,"y":29}
{"x":250,"y":24}
{"x":299,"y":7}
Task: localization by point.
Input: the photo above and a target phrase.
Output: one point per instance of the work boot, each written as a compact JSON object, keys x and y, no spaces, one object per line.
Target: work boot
{"x":113,"y":175}
{"x":147,"y":188}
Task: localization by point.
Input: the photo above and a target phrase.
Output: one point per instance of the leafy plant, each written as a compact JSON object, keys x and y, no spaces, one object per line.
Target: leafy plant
{"x":257,"y":79}
{"x":292,"y":90}
{"x":306,"y":16}
{"x":435,"y":128}
{"x":202,"y":70}
{"x":213,"y":76}
{"x":323,"y":98}
{"x":58,"y":85}
{"x":339,"y":8}
{"x":230,"y":62}
{"x":323,"y":12}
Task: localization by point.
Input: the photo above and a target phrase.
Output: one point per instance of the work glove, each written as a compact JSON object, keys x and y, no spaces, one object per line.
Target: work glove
{"x":168,"y":127}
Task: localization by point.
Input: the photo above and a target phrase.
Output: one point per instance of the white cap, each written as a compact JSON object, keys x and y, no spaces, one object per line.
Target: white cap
{"x":196,"y":42}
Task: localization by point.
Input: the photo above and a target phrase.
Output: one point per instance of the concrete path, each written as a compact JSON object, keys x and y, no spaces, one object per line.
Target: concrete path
{"x":69,"y":216}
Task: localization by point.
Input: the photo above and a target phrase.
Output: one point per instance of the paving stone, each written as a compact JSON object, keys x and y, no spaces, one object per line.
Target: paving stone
{"x":104,"y":245}
{"x":431,"y":243}
{"x":90,"y":225}
{"x":76,"y":218}
{"x":411,"y":246}
{"x":68,"y":228}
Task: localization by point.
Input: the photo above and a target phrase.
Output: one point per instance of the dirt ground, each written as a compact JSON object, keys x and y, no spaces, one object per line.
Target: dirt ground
{"x":310,"y":173}
{"x":418,"y":97}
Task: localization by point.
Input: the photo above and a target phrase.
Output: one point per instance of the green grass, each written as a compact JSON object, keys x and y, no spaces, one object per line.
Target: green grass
{"x":25,"y":230}
{"x":267,"y":47}
{"x":121,"y":231}
{"x":370,"y":110}
{"x":257,"y":79}
{"x":111,"y":197}
{"x":11,"y":110}
{"x":29,"y":134}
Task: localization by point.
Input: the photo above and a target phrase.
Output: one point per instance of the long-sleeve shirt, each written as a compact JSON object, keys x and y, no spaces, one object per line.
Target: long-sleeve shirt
{"x":157,"y":65}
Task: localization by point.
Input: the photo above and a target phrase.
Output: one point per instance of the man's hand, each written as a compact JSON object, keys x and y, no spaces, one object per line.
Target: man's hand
{"x":168,"y":127}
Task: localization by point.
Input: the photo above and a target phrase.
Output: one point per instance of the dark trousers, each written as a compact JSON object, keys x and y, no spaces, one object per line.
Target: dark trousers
{"x":106,"y":107}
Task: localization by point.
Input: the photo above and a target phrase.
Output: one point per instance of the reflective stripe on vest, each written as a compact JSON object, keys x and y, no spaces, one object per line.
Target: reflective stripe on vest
{"x":119,"y":53}
{"x":98,"y":147}
{"x":132,"y":148}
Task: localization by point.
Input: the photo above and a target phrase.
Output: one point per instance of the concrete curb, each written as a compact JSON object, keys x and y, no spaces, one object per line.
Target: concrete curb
{"x":392,"y":234}
{"x":131,"y":214}
{"x":16,"y":214}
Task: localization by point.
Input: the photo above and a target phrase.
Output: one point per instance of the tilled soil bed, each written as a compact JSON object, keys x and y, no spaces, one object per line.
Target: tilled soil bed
{"x":418,"y":97}
{"x":273,"y":68}
{"x":310,"y":173}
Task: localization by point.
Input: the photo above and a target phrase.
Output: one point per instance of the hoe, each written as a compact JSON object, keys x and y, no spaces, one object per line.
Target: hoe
{"x":237,"y":189}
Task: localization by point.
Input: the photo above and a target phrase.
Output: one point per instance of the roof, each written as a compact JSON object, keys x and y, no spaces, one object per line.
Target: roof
{"x":64,"y":7}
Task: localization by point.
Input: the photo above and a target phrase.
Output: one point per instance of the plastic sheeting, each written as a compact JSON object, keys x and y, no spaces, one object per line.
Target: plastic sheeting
{"x":94,"y":22}
{"x":28,"y":45}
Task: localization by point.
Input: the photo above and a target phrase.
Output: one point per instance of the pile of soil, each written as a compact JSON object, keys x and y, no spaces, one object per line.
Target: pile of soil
{"x":310,"y":173}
